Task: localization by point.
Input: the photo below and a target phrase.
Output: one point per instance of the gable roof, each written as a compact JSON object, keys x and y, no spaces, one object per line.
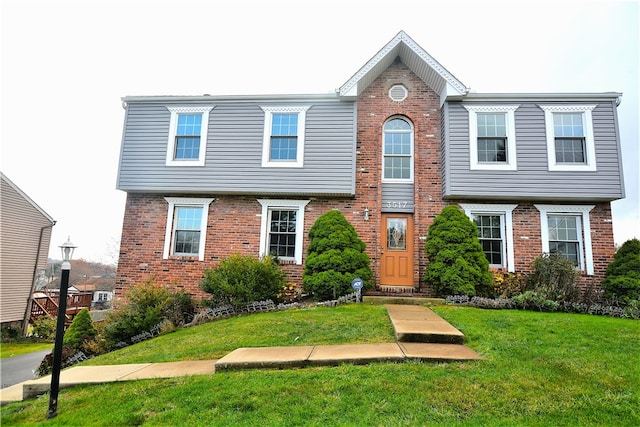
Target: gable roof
{"x":413,"y":56}
{"x":22,"y":194}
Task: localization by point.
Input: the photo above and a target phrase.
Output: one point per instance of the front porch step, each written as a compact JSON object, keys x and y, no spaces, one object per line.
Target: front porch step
{"x":416,"y":323}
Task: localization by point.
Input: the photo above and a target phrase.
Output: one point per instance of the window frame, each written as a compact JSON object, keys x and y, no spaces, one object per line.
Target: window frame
{"x":175,"y":202}
{"x":585,"y":257}
{"x":173,"y":128}
{"x":269,"y":111}
{"x":411,"y":154}
{"x":587,"y":124}
{"x":505,"y":211}
{"x":269,"y":205}
{"x":511,"y":163}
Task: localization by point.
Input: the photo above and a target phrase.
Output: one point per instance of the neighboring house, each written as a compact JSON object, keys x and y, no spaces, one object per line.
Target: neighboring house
{"x":101,"y":289}
{"x":208,"y":176}
{"x":24,"y":247}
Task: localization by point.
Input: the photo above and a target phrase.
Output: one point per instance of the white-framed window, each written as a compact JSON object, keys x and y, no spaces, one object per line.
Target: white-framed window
{"x":102,"y":296}
{"x":566,"y":230}
{"x":284,"y":131}
{"x":570,"y":143}
{"x":492,"y":137}
{"x":187,"y":144}
{"x":186,"y":229}
{"x":495,"y":231}
{"x":282,"y":228}
{"x":397,"y":149}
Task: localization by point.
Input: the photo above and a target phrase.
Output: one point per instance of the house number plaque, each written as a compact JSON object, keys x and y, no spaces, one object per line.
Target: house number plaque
{"x":400,"y":204}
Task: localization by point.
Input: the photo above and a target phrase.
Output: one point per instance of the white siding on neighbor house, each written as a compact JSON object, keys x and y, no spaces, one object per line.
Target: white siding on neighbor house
{"x":233,"y":163}
{"x":532,"y":180}
{"x":21,"y":222}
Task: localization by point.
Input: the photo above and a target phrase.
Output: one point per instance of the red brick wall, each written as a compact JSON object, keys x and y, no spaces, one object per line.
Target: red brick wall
{"x":422,"y":107}
{"x":233,"y":227}
{"x":527,"y":239}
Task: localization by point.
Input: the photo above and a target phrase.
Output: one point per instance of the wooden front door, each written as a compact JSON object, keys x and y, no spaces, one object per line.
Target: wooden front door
{"x":397,"y":254}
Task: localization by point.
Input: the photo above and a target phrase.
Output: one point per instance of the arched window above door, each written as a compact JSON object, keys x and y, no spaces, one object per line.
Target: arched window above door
{"x":397,"y":157}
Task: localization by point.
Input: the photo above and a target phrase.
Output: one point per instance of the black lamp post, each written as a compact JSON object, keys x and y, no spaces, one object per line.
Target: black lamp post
{"x":67,"y":252}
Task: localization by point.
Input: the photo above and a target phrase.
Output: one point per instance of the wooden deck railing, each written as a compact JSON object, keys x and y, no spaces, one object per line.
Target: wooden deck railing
{"x":48,"y":305}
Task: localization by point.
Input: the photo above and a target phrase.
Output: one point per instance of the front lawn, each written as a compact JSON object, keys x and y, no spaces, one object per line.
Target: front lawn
{"x":549,"y":369}
{"x":10,"y":349}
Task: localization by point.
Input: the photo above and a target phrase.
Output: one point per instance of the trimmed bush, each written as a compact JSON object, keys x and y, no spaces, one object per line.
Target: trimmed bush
{"x":335,"y":257}
{"x":80,"y":331}
{"x":457,"y":263}
{"x":241,"y":279}
{"x":622,"y":279}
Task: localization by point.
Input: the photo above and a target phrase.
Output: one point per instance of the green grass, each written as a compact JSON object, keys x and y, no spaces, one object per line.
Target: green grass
{"x":18,"y":348}
{"x":540,"y":369}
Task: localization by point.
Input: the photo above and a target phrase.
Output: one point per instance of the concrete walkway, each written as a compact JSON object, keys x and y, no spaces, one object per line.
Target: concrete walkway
{"x":422,"y":335}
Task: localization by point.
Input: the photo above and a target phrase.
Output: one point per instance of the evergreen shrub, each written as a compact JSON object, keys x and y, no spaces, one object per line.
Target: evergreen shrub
{"x":457,"y":264}
{"x":81,"y":330}
{"x":622,"y":279}
{"x":242,"y":279}
{"x":335,"y":257}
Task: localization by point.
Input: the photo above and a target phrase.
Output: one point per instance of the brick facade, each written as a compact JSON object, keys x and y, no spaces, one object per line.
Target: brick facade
{"x":234,"y":222}
{"x":421,"y":107}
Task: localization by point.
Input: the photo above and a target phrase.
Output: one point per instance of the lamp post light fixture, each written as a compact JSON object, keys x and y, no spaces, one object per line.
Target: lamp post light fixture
{"x":67,"y":252}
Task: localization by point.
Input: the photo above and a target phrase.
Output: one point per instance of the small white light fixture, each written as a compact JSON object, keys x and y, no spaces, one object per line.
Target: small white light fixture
{"x":366,"y":214}
{"x":67,"y":249}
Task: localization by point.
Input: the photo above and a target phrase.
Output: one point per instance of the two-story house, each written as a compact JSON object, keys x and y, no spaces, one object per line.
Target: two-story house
{"x":208,"y":176}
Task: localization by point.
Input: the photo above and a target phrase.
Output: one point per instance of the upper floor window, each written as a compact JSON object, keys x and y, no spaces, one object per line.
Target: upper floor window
{"x":495,"y":231}
{"x":492,"y":137}
{"x":397,"y":162}
{"x":186,"y":228}
{"x":566,"y":230}
{"x":570,"y":144}
{"x":284,"y":131}
{"x":282,"y":228}
{"x":187,"y":136}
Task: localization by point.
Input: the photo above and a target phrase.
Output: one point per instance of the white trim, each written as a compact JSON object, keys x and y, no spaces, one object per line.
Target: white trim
{"x":191,"y":202}
{"x":454,"y":86}
{"x":586,"y":248}
{"x":411,"y":155}
{"x":587,"y":123}
{"x":507,"y":211}
{"x":394,"y":94}
{"x":268,"y":204}
{"x":266,"y":142}
{"x":512,"y":158}
{"x":173,"y":126}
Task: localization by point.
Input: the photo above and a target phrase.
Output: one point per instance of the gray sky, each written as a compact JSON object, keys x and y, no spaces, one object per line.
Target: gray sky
{"x":66,"y":64}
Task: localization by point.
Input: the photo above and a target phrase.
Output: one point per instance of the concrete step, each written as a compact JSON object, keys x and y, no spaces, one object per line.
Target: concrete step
{"x":415,"y":323}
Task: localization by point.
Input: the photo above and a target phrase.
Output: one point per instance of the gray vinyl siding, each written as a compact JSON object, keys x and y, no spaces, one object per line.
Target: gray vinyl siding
{"x":397,"y":197}
{"x":532,"y":180}
{"x":233,"y":163}
{"x":21,"y":223}
{"x":444,"y":147}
